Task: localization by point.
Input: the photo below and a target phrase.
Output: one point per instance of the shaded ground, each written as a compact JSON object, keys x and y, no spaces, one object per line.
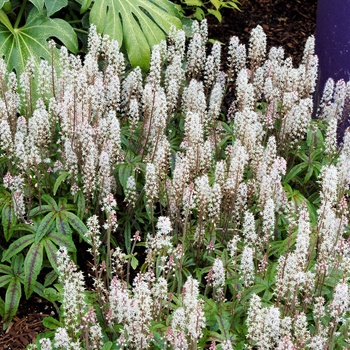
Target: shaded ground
{"x":287,"y":23}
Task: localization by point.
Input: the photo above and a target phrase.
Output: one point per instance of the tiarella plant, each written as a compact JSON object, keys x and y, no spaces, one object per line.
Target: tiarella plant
{"x":204,"y":228}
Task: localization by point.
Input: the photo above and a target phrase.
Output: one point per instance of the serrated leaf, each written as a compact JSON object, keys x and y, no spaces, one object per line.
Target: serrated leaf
{"x":8,"y":219}
{"x":136,"y":24}
{"x":45,"y":225}
{"x":17,"y":246}
{"x":12,"y":298}
{"x":54,"y":6}
{"x":32,"y":267}
{"x":51,"y":323}
{"x":76,"y":223}
{"x":18,"y":45}
{"x":59,"y":180}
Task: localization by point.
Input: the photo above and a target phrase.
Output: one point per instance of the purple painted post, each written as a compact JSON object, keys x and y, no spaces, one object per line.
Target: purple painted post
{"x":333,"y":43}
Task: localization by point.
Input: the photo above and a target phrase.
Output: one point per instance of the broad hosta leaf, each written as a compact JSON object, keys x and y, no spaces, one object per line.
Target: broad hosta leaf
{"x":17,"y":45}
{"x":136,"y":24}
{"x":32,"y":266}
{"x":12,"y":298}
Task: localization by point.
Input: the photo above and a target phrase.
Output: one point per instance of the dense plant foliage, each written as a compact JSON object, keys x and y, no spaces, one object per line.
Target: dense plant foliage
{"x":137,"y":25}
{"x":199,"y":9}
{"x":190,"y":208}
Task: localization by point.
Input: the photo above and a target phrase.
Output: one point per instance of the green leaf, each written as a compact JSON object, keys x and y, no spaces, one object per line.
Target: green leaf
{"x":17,"y":246}
{"x":216,"y":13}
{"x":50,"y":278}
{"x":295,"y":171}
{"x":2,"y":3}
{"x":5,"y":269}
{"x":40,"y":210}
{"x":2,"y":306}
{"x":61,"y":240}
{"x":127,"y":236}
{"x":134,"y":262}
{"x":45,"y":226}
{"x":81,"y":205}
{"x":50,"y":201}
{"x":32,"y":267}
{"x":107,"y":346}
{"x":59,"y":180}
{"x":51,"y":252}
{"x":8,"y":219}
{"x":193,"y":3}
{"x":12,"y":298}
{"x":39,"y":4}
{"x":17,"y":265}
{"x":5,"y":280}
{"x":17,"y":46}
{"x":76,"y":223}
{"x":54,"y":6}
{"x":62,"y":225}
{"x":135,"y":24}
{"x":85,"y":4}
{"x":51,"y":323}
{"x":124,"y":171}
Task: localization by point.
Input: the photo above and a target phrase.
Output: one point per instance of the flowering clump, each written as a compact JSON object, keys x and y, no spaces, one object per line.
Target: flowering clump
{"x":213,"y":208}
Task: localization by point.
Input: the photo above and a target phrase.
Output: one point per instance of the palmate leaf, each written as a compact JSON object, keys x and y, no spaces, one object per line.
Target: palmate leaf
{"x":135,"y":24}
{"x":18,"y":44}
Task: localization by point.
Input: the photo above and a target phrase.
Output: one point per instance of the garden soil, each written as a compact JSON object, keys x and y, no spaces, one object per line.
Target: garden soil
{"x":286,"y":23}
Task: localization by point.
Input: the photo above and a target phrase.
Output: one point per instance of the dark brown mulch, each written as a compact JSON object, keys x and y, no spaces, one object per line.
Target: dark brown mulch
{"x":286,"y":23}
{"x":26,"y":325}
